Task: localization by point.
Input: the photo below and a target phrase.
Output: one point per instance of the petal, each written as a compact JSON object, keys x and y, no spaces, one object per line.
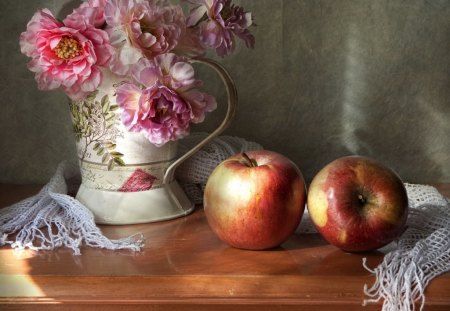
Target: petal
{"x":117,"y":36}
{"x":195,"y":15}
{"x":200,"y":103}
{"x":79,"y":67}
{"x":183,"y":73}
{"x":92,"y":82}
{"x":147,"y":40}
{"x":146,"y":72}
{"x":128,"y":96}
{"x":129,"y":55}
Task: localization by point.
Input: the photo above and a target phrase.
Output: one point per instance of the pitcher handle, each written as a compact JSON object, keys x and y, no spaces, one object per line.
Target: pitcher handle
{"x":232,"y":99}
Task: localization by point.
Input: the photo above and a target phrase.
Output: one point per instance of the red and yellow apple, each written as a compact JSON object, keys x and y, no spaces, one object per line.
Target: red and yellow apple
{"x":358,"y":204}
{"x":255,"y":200}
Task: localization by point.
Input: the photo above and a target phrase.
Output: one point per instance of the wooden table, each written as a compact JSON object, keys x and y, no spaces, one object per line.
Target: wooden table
{"x":185,"y":267}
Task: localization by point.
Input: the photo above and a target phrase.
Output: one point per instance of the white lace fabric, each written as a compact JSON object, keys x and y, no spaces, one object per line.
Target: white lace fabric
{"x":422,"y":253}
{"x":53,"y":218}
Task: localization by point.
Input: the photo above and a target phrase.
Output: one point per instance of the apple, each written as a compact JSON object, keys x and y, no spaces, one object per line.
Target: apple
{"x":358,"y":204}
{"x":255,"y":200}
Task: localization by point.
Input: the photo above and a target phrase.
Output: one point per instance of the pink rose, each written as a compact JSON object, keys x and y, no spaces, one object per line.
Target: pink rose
{"x":164,"y":100}
{"x":66,"y":55}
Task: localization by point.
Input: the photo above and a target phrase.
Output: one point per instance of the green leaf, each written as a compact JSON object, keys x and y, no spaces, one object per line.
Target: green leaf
{"x":90,"y":98}
{"x":110,"y":164}
{"x":116,"y":154}
{"x":96,"y":146}
{"x":113,"y":107}
{"x":100,"y":151}
{"x":110,"y":146}
{"x":105,"y":104}
{"x":109,"y":116}
{"x":75,"y":116}
{"x":77,"y":137}
{"x":105,"y":158}
{"x":119,"y":162}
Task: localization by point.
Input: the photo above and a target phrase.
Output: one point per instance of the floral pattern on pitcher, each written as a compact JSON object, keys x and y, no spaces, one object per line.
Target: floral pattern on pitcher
{"x":95,"y":126}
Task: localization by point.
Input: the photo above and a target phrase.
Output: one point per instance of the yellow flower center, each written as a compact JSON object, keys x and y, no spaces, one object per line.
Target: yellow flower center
{"x":146,"y":27}
{"x":68,"y":48}
{"x":160,"y":112}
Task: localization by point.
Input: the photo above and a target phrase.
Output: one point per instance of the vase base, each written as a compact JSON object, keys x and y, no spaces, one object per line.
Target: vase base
{"x":124,"y":208}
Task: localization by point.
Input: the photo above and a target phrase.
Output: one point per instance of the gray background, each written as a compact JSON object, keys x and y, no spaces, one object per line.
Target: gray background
{"x":326,"y":79}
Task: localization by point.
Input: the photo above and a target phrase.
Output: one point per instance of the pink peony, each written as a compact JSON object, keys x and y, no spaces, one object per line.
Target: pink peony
{"x":140,"y":29}
{"x":99,"y":6}
{"x":160,"y":114}
{"x":220,"y":21}
{"x":190,"y":44}
{"x":67,"y":54}
{"x":165,"y":101}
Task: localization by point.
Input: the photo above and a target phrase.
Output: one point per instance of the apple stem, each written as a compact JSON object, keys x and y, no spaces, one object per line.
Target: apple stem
{"x":251,"y":162}
{"x":361,"y":199}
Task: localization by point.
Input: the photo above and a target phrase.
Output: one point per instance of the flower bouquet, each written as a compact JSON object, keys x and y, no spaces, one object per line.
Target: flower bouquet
{"x":127,"y":67}
{"x":146,"y":41}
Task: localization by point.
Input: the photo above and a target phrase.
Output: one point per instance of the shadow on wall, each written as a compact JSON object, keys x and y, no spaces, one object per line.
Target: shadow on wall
{"x":67,"y":9}
{"x":391,"y":108}
{"x":359,"y":78}
{"x":326,"y":79}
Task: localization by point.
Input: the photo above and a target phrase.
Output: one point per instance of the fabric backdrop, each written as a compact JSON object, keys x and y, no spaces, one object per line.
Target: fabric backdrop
{"x":326,"y":79}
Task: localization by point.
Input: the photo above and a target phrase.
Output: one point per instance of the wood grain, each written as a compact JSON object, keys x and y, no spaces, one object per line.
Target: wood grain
{"x":183,"y":266}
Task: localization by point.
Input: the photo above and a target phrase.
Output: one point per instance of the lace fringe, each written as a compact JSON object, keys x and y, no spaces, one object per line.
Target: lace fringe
{"x":423,"y":253}
{"x":52,"y":219}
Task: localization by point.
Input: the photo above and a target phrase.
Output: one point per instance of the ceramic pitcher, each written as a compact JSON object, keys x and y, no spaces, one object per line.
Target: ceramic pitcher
{"x":125,"y":178}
